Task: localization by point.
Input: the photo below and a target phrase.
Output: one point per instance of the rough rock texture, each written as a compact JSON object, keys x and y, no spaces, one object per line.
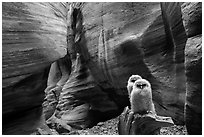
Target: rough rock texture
{"x":110,"y":128}
{"x":115,"y":41}
{"x":131,"y":123}
{"x":58,"y":75}
{"x":192,"y":15}
{"x":33,"y":36}
{"x":193,"y":107}
{"x":147,"y":39}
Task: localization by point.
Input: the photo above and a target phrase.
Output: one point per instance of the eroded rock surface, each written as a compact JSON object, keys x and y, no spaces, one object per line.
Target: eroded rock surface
{"x":115,"y":41}
{"x":33,"y":36}
{"x":192,"y":15}
{"x":147,"y":39}
{"x":193,"y":107}
{"x":104,"y":44}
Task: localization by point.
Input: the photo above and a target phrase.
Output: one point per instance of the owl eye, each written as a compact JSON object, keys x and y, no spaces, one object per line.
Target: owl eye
{"x":133,"y":80}
{"x":141,"y":86}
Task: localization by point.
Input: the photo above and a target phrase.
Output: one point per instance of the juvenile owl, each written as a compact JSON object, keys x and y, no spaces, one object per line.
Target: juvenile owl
{"x":131,"y":81}
{"x":141,"y":97}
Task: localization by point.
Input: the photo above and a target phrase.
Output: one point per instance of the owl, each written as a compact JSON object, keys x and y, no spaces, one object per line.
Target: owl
{"x":141,"y":97}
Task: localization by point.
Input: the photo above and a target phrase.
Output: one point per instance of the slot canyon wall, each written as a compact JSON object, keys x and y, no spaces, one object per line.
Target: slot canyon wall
{"x":192,"y":15}
{"x":69,"y":66}
{"x":33,"y":36}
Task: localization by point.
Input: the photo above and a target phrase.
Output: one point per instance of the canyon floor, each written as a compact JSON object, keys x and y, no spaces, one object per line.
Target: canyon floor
{"x":110,"y":128}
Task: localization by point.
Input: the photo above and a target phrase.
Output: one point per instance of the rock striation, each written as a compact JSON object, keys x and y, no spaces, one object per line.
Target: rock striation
{"x":111,"y":41}
{"x":33,"y":36}
{"x":80,"y":56}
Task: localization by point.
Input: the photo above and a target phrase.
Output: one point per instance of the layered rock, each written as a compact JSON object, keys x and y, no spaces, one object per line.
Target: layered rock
{"x":115,"y":41}
{"x":107,"y":43}
{"x":147,"y":39}
{"x":33,"y":36}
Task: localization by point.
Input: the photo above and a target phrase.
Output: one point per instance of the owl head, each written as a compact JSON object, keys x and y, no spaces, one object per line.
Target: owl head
{"x":142,"y":86}
{"x":131,"y":81}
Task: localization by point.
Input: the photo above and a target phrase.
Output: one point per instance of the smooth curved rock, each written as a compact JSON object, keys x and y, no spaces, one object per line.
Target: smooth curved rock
{"x":193,"y":107}
{"x":147,"y":39}
{"x":58,"y":76}
{"x":22,"y":110}
{"x":118,"y":40}
{"x":33,"y":36}
{"x":113,"y":41}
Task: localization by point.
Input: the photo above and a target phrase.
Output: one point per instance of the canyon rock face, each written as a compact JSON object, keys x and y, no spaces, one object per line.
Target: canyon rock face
{"x":193,"y":107}
{"x":192,"y":15}
{"x":82,"y":54}
{"x":116,"y":41}
{"x":33,"y":36}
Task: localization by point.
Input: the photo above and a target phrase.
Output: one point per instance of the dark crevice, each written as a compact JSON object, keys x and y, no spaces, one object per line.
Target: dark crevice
{"x":169,"y":48}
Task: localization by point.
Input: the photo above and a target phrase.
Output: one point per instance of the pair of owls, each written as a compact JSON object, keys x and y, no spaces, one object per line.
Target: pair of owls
{"x":140,"y":94}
